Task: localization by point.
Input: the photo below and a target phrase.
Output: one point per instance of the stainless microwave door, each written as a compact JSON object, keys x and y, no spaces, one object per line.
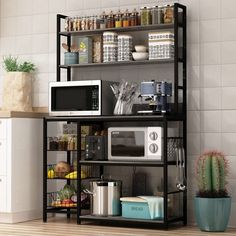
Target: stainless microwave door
{"x":127,"y":144}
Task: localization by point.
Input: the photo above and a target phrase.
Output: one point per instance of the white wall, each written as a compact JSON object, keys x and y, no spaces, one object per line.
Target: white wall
{"x":28,"y":30}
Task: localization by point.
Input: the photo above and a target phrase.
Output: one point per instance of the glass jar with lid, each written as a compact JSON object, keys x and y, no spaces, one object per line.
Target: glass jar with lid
{"x":134,"y":18}
{"x":157,"y":15}
{"x":110,"y":20}
{"x":103,"y":21}
{"x":126,"y":19}
{"x":118,"y":19}
{"x":169,"y":14}
{"x":145,"y":14}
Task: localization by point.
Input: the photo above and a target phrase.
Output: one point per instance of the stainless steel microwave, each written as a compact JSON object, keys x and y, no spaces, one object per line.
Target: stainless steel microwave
{"x":135,"y":143}
{"x":81,"y":98}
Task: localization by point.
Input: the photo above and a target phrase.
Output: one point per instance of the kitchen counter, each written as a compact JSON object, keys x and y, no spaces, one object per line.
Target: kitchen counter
{"x":39,"y":112}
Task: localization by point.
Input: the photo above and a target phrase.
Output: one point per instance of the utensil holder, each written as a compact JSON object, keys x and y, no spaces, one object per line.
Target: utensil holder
{"x":71,"y":58}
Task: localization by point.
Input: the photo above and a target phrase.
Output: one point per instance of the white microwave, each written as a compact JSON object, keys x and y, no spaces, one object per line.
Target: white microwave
{"x":81,"y":98}
{"x":135,"y":143}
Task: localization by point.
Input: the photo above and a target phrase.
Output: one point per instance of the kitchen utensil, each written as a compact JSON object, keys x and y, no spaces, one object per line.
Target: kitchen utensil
{"x":74,"y":48}
{"x":105,"y":197}
{"x":65,"y":46}
{"x":180,"y":169}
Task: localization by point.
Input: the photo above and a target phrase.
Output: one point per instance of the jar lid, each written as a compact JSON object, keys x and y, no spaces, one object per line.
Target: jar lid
{"x":143,"y":8}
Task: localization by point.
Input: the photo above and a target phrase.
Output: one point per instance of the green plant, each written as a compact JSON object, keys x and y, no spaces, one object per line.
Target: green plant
{"x":11,"y":63}
{"x":211,"y":172}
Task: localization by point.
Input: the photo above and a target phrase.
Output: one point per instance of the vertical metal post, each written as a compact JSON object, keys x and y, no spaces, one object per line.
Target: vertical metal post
{"x":44,"y":170}
{"x":185,"y":106}
{"x":176,"y":58}
{"x":58,"y":56}
{"x":165,"y":175}
{"x":78,"y":172}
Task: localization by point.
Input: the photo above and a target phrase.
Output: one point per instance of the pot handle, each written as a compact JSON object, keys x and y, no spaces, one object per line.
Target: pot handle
{"x":88,"y":192}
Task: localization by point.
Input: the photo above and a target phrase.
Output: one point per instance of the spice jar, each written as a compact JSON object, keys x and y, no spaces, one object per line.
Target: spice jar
{"x":118,"y":20}
{"x":87,"y":23}
{"x":78,"y":23}
{"x":134,"y":18}
{"x":91,"y":23}
{"x":157,"y":15}
{"x":83,"y":23}
{"x":74,"y":24}
{"x":67,"y":23}
{"x":168,"y":14}
{"x":103,"y":21}
{"x":145,"y":15}
{"x":110,"y":20}
{"x":126,"y":19}
{"x":96,"y":23}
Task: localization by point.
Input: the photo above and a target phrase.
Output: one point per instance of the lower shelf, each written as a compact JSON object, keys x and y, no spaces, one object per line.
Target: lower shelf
{"x":62,"y":210}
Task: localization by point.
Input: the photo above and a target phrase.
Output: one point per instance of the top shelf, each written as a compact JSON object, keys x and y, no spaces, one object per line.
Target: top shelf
{"x":121,"y":29}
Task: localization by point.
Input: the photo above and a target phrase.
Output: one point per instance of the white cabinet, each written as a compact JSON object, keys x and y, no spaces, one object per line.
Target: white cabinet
{"x":3,"y":195}
{"x":21,"y":151}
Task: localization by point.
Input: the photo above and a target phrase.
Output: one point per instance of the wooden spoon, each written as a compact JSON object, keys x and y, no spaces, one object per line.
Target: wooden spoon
{"x":74,"y":48}
{"x":65,"y":46}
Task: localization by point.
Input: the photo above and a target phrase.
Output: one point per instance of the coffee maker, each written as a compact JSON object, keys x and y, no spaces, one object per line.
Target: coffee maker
{"x":158,"y":94}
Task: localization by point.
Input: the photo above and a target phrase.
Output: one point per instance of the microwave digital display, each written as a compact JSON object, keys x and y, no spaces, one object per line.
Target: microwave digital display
{"x":127,"y":143}
{"x":75,"y":98}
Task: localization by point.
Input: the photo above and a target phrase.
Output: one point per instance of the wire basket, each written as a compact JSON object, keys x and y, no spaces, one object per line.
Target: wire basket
{"x":172,"y":144}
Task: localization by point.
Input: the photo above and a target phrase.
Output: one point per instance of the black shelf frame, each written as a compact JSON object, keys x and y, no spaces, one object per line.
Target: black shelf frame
{"x":179,"y":114}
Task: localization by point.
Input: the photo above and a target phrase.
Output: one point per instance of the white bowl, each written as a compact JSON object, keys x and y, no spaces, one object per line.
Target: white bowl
{"x":140,"y":48}
{"x":139,"y":56}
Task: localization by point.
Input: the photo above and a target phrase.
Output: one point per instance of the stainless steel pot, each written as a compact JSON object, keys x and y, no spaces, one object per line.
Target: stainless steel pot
{"x":105,"y":197}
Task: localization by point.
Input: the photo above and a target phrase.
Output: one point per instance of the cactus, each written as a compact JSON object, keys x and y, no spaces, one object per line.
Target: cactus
{"x":211,"y":172}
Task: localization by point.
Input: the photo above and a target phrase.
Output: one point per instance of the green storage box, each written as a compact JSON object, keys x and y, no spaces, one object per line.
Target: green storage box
{"x":85,"y":50}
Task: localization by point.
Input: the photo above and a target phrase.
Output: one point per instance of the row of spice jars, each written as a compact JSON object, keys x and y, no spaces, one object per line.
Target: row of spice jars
{"x":62,"y":143}
{"x":120,"y":19}
{"x":157,"y":15}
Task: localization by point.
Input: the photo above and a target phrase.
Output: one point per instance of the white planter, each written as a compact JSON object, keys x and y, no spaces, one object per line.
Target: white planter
{"x":17,"y":92}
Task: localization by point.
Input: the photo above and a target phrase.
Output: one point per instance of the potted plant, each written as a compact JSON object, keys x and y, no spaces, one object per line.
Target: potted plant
{"x":212,"y":202}
{"x":17,"y":85}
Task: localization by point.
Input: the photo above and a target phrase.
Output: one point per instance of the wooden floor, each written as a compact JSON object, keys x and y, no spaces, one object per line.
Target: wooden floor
{"x":62,"y":227}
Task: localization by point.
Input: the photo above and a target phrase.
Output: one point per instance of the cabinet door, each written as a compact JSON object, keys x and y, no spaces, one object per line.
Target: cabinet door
{"x":3,"y":194}
{"x":3,"y":158}
{"x":3,"y":127}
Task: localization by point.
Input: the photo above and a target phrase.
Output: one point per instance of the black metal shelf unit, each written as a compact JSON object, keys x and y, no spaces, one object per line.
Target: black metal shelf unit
{"x":178,"y":115}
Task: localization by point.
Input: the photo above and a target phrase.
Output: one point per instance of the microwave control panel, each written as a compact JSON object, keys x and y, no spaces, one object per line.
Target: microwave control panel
{"x":154,"y":142}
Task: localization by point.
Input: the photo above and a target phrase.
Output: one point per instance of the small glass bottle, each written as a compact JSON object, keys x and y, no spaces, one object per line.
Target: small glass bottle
{"x":103,"y":21}
{"x":134,"y":18}
{"x":91,"y":23}
{"x":157,"y":15}
{"x":96,"y":24}
{"x":126,"y":19}
{"x":67,"y":23}
{"x":145,"y":16}
{"x":168,"y":14}
{"x":83,"y":23}
{"x":87,"y":23}
{"x":118,"y":19}
{"x":74,"y":24}
{"x":110,"y":20}
{"x":79,"y":23}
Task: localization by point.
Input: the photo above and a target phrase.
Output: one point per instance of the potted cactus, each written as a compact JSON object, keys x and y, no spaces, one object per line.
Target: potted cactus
{"x":212,"y":202}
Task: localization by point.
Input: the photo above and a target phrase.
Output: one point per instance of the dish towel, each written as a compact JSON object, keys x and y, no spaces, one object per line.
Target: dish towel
{"x":155,"y":205}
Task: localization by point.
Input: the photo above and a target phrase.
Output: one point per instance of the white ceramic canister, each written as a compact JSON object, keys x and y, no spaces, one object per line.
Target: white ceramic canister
{"x":125,"y":46}
{"x":109,"y":52}
{"x":110,"y":37}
